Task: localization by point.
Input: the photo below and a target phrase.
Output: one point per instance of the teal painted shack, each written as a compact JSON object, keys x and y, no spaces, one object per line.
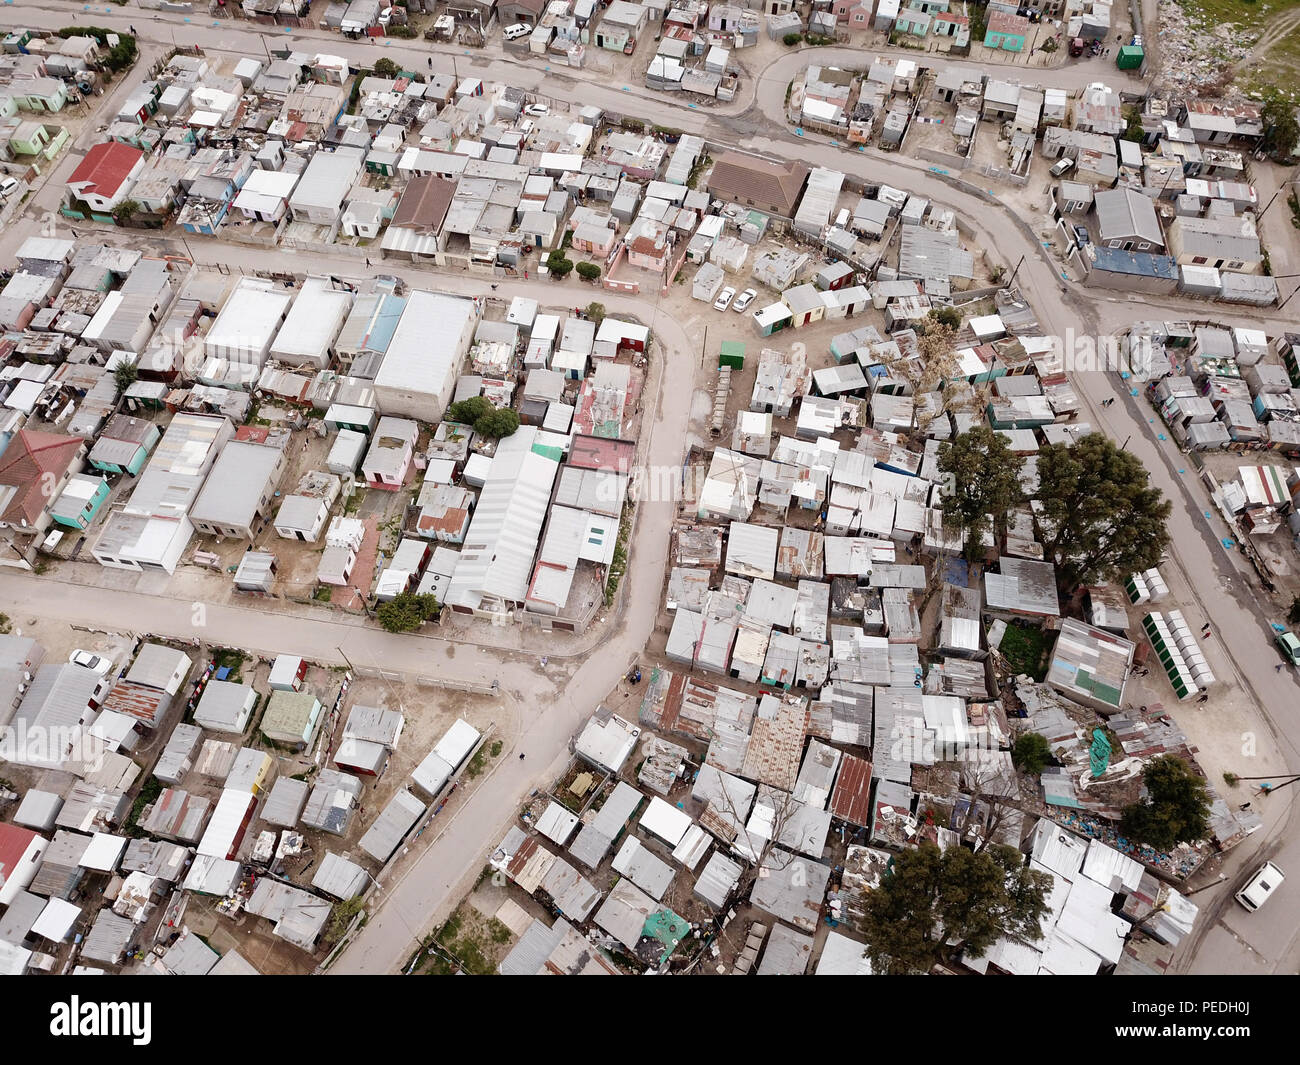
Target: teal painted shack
{"x":80,"y":501}
{"x":124,"y":445}
{"x":1006,"y":32}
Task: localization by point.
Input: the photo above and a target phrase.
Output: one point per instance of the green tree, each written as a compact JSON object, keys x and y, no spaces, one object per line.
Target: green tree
{"x":125,"y":374}
{"x":486,"y":419}
{"x":1099,"y":517}
{"x":498,"y":422}
{"x":1176,"y":809}
{"x":934,"y":905}
{"x":558,"y":265}
{"x":1031,"y":753}
{"x":407,"y":612}
{"x":949,"y":316}
{"x":1281,"y":131}
{"x":125,"y":211}
{"x":386,"y":68}
{"x":596,"y":312}
{"x":983,"y":484}
{"x":468,"y":411}
{"x":588,"y":271}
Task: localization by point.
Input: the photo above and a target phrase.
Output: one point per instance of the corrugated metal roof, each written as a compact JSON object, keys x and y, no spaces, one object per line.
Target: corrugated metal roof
{"x":392,"y":825}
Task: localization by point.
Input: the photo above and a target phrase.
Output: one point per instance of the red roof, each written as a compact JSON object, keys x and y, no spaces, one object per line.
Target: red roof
{"x":105,"y":167}
{"x":14,"y":842}
{"x":601,"y":453}
{"x":30,"y":456}
{"x":1004,"y":22}
{"x":850,"y":801}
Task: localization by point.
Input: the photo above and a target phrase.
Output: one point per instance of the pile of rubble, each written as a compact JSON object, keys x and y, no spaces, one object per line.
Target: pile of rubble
{"x":1195,"y":54}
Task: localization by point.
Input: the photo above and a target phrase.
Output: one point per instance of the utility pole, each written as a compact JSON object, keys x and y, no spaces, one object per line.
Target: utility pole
{"x":346,"y":659}
{"x":1014,"y":272}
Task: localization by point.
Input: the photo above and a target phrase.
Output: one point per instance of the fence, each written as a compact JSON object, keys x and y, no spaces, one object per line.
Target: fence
{"x":429,"y":680}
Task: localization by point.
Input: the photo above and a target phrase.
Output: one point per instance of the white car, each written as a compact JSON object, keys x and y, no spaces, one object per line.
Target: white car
{"x":386,"y":16}
{"x":96,"y":663}
{"x":515,"y":31}
{"x":724,"y":299}
{"x":8,"y":186}
{"x":744,"y":300}
{"x":537,"y":110}
{"x":1260,"y":886}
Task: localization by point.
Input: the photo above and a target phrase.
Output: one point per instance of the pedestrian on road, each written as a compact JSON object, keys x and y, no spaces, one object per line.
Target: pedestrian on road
{"x":430,"y":62}
{"x":521,"y":756}
{"x":367,"y":262}
{"x":1280,"y":666}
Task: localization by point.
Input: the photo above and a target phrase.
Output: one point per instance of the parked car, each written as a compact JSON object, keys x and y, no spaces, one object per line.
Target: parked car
{"x":1081,"y":235}
{"x":1062,"y":167}
{"x":8,"y":186}
{"x":724,"y":299}
{"x":537,"y":110}
{"x":1261,"y":886}
{"x":96,"y":663}
{"x":1289,"y":644}
{"x":516,"y":30}
{"x":744,"y":300}
{"x":386,"y":16}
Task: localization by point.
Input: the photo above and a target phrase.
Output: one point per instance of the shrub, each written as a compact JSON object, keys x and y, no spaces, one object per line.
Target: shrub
{"x":791,"y":39}
{"x":949,"y":316}
{"x":558,"y":265}
{"x":407,"y":612}
{"x":588,"y":271}
{"x":1031,"y":753}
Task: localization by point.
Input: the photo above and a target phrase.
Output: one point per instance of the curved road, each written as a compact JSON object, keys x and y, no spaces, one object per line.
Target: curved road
{"x":1218,"y":586}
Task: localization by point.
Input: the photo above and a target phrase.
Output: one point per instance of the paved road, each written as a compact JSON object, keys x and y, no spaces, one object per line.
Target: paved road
{"x":1217,"y":585}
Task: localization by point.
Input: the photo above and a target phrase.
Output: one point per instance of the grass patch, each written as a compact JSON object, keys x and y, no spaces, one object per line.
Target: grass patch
{"x":323,"y":593}
{"x":618,"y":564}
{"x":1025,"y":649}
{"x":495,"y":749}
{"x":476,"y":764}
{"x":477,"y":942}
{"x":232,"y":659}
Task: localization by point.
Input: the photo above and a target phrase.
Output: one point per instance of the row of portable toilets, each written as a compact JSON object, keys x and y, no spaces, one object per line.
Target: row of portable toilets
{"x":1179,"y":652}
{"x":1146,"y":587}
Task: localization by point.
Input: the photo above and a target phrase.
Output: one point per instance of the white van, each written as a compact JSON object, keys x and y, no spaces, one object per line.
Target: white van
{"x":514,"y":32}
{"x":1260,"y":886}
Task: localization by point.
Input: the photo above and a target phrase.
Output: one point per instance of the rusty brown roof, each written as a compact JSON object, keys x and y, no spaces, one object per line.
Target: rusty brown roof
{"x":748,"y":179}
{"x":424,"y":204}
{"x":851,"y":799}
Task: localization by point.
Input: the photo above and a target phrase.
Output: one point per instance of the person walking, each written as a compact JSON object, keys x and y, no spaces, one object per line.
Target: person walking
{"x":1279,"y":667}
{"x":367,"y":262}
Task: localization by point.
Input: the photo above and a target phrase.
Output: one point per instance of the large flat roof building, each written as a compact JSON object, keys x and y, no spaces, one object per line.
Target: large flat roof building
{"x":418,"y":376}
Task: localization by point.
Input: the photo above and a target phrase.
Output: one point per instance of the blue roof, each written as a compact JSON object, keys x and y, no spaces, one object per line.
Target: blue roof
{"x":387,"y":314}
{"x":1137,"y":263}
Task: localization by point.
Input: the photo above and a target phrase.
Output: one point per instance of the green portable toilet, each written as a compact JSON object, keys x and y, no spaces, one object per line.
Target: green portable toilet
{"x":1130,"y":57}
{"x":732,"y":353}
